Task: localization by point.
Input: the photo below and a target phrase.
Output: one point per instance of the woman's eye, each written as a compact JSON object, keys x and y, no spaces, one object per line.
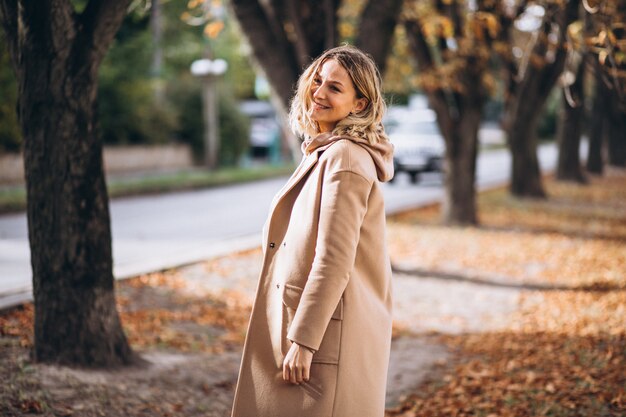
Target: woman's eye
{"x":334,"y":88}
{"x":316,"y":81}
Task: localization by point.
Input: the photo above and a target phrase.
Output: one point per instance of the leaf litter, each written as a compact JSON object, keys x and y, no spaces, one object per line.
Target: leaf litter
{"x":563,"y":352}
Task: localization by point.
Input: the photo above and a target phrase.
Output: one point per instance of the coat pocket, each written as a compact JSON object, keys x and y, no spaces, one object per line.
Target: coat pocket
{"x":331,"y":342}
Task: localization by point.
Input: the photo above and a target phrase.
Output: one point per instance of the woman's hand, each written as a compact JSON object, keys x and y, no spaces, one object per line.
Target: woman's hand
{"x":297,"y":364}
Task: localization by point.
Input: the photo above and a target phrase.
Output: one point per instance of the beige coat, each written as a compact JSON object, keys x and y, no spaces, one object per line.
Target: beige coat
{"x":326,"y":284}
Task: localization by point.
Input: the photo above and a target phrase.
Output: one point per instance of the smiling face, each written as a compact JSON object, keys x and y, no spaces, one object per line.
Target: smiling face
{"x":334,"y":96}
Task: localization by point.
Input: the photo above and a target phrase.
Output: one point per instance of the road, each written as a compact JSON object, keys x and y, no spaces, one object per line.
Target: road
{"x":152,"y":233}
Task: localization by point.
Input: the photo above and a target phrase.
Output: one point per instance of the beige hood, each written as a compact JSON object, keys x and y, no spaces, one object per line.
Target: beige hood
{"x":381,"y":152}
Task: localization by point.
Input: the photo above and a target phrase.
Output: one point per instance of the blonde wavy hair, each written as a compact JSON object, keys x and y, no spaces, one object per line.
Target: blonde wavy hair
{"x":367,"y":123}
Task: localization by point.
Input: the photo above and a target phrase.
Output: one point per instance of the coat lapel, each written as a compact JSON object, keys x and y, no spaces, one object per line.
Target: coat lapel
{"x":297,"y":176}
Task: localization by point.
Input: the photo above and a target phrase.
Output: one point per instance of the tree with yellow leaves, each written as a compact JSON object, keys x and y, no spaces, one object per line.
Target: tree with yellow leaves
{"x":605,"y":41}
{"x":534,"y":58}
{"x":451,"y":42}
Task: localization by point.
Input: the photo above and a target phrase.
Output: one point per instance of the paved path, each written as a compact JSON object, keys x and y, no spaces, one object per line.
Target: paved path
{"x":157,"y":232}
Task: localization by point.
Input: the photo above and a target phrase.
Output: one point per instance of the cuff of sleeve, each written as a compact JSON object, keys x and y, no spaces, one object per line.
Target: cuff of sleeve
{"x":310,"y":349}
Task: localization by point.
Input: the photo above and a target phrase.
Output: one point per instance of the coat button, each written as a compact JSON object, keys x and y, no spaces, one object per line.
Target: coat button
{"x":277,"y":285}
{"x":272,"y":244}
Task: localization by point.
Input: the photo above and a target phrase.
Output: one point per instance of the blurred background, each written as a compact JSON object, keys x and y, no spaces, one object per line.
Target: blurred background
{"x":150,"y":105}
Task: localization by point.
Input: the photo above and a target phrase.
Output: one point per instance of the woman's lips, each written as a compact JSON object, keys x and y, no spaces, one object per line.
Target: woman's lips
{"x":317,"y":106}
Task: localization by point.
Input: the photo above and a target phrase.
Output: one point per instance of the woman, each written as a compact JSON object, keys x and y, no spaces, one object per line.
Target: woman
{"x":319,"y":335}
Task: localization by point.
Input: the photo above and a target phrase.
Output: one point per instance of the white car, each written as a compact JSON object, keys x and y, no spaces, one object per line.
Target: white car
{"x":418,"y":145}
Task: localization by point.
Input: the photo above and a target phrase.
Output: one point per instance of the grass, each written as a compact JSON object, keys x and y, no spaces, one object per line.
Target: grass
{"x":14,"y":198}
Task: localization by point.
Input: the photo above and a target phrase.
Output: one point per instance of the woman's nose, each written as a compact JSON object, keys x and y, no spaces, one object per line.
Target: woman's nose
{"x":318,"y":92}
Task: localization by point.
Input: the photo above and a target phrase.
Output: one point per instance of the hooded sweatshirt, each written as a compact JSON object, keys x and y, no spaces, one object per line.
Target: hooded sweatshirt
{"x":381,"y":152}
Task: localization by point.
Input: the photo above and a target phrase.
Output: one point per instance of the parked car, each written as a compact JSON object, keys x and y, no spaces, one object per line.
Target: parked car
{"x":264,"y":132}
{"x":419,"y":146}
{"x":264,"y":129}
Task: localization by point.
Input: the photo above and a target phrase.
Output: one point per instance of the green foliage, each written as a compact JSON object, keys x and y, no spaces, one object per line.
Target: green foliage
{"x":240,"y":75}
{"x":129,"y":114}
{"x":128,"y":110}
{"x":234,"y":126}
{"x":234,"y":131}
{"x":10,"y":134}
{"x":548,"y":122}
{"x":183,"y":44}
{"x":186,"y":96}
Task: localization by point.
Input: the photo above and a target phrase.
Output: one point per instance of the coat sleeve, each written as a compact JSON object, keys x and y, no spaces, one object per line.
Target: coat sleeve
{"x":342,"y":209}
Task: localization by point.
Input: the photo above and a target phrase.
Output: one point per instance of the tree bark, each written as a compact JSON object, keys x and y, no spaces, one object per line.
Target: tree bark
{"x":459,"y":205}
{"x":595,"y":160}
{"x":271,"y":49}
{"x":458,"y":117}
{"x":569,"y":131}
{"x":616,"y":134}
{"x":76,"y":321}
{"x":376,"y":28}
{"x":525,"y":171}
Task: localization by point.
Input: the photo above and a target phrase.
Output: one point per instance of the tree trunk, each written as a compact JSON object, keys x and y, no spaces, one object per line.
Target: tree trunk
{"x":527,"y":98}
{"x":572,"y":114}
{"x":376,"y":28}
{"x":458,"y":117}
{"x":271,"y":49}
{"x":525,"y":171}
{"x":595,"y":161}
{"x":616,"y":135}
{"x":459,"y":205}
{"x":76,"y":320}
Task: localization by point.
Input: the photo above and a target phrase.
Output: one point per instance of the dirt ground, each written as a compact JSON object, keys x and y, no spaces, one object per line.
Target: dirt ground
{"x":454,"y":290}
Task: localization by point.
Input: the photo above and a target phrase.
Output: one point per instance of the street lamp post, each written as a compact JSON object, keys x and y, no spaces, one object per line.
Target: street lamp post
{"x":208,"y":71}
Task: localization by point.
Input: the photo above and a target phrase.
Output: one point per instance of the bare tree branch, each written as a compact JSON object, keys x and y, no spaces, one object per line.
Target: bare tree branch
{"x":275,"y":14}
{"x":564,"y":18}
{"x":454,"y":12}
{"x":315,"y":23}
{"x":98,"y":25}
{"x":330,"y":27}
{"x":425,"y":62}
{"x":301,"y":43}
{"x":272,"y":53}
{"x":420,"y":47}
{"x":378,"y":23}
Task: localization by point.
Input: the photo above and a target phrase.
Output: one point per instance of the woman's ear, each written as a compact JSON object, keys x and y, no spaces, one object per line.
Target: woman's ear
{"x":360,"y":105}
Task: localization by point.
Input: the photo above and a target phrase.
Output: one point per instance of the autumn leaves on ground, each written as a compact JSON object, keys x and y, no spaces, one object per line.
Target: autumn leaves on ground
{"x":564,"y":352}
{"x":561,"y":353}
